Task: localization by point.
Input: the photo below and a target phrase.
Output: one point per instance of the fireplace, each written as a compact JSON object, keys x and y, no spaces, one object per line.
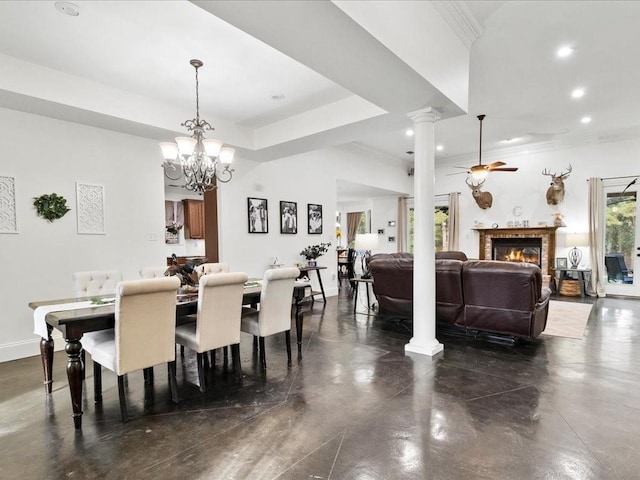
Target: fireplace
{"x":519,"y":238}
{"x":517,"y":249}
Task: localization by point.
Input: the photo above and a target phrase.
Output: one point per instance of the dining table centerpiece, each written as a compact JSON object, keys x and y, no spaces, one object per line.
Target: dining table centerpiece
{"x":312,"y":252}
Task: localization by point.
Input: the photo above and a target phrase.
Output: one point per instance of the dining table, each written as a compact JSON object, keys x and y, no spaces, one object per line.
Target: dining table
{"x":98,"y":313}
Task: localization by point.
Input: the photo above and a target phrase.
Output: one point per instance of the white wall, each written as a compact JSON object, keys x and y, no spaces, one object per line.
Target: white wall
{"x":46,"y":155}
{"x":306,"y":178}
{"x":527,"y":188}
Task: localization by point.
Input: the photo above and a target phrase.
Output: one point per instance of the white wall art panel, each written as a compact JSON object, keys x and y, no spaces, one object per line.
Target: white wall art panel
{"x":8,"y":222}
{"x":90,"y":206}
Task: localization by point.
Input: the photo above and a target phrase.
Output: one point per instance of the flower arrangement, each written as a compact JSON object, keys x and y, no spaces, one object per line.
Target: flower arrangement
{"x":314,"y":251}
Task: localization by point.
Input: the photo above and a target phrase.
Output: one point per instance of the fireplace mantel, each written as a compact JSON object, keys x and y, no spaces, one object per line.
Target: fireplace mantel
{"x":547,"y":234}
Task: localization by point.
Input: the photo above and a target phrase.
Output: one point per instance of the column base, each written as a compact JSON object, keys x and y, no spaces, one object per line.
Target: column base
{"x":431,"y":349}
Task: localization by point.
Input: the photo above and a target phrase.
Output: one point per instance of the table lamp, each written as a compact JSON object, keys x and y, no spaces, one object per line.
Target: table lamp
{"x":366,"y":242}
{"x":575,"y":254}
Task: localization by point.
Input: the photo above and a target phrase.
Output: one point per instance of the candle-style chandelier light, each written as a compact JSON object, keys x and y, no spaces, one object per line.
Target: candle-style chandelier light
{"x":203,"y":161}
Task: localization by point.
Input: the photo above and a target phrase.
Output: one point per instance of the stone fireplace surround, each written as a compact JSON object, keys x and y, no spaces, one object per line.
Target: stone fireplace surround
{"x":546,"y":234}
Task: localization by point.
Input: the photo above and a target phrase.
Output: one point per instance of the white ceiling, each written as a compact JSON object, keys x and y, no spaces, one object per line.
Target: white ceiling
{"x":143,"y":48}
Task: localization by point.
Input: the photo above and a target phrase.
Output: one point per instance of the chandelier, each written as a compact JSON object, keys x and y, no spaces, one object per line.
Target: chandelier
{"x":203,"y":161}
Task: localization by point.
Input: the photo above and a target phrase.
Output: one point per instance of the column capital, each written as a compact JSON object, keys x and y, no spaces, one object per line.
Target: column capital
{"x":428,"y":114}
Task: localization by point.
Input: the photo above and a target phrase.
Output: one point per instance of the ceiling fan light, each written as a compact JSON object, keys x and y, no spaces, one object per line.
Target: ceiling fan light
{"x":479,"y":174}
{"x":169,"y":150}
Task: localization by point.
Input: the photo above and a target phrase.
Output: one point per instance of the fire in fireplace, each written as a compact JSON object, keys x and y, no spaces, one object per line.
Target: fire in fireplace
{"x":527,"y":250}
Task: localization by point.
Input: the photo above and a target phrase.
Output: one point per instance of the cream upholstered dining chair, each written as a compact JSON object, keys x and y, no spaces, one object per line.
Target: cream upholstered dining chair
{"x":144,"y":334}
{"x":97,"y":282}
{"x":217,"y":321}
{"x":153,"y":272}
{"x":274,"y":314}
{"x":208,"y":268}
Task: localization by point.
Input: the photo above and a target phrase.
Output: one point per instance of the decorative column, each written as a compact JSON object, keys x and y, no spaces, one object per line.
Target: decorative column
{"x":424,"y":339}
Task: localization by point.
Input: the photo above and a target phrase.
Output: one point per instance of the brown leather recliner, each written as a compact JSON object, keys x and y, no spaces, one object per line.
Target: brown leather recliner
{"x":497,"y":297}
{"x":505,"y":298}
{"x":393,"y":283}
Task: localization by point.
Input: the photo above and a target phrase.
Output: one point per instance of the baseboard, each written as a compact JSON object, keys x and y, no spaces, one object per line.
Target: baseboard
{"x":27,"y":348}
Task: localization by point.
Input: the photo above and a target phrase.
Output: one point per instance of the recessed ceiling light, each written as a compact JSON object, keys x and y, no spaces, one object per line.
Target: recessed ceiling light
{"x":578,"y":93}
{"x":278,"y":97}
{"x":439,"y":147}
{"x":565,"y":51}
{"x":68,"y":8}
{"x":585,"y":119}
{"x":409,"y":133}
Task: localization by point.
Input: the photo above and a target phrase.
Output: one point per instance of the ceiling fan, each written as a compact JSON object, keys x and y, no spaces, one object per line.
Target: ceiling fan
{"x":480,"y":170}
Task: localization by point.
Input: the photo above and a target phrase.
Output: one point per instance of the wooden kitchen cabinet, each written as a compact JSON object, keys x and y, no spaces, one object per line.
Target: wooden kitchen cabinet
{"x":193,"y":218}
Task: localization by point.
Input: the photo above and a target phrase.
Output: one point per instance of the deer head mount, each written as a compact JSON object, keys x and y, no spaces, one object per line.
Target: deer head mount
{"x":483,"y":199}
{"x":555,"y":193}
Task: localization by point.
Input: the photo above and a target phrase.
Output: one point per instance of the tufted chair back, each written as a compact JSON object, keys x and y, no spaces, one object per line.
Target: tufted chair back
{"x":153,"y":272}
{"x":207,"y":268}
{"x":275,"y":300}
{"x":98,"y":282}
{"x":145,"y":315}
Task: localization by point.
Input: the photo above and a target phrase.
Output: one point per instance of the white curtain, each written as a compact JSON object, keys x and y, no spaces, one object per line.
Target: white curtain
{"x":454,"y":221}
{"x":401,"y":227}
{"x":596,"y":237}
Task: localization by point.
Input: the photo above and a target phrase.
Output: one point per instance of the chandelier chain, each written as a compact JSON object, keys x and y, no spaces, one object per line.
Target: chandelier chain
{"x":197,"y":98}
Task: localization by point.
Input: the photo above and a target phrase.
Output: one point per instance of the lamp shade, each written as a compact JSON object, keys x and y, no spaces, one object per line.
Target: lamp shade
{"x":577,"y":240}
{"x":169,"y":150}
{"x":186,"y":145}
{"x":366,"y":241}
{"x":212,"y":146}
{"x":226,"y":155}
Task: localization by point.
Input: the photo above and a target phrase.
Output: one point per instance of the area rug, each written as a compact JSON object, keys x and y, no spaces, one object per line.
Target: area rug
{"x":567,"y":319}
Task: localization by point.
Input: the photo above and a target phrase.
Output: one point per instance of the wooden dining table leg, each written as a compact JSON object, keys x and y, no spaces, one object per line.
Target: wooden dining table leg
{"x":46,"y":355}
{"x":74,"y":376}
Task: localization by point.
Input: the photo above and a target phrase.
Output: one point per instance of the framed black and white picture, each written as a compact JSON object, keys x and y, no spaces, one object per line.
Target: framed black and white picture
{"x":314,"y":213}
{"x":561,"y":263}
{"x":288,"y":217}
{"x":257,"y":215}
{"x":392,"y":239}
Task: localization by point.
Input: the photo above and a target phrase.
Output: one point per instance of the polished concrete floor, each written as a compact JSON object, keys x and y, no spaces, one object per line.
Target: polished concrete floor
{"x":355,"y":407}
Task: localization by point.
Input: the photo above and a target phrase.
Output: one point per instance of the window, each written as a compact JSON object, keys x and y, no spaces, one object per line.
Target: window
{"x":620,"y":236}
{"x":441,"y":219}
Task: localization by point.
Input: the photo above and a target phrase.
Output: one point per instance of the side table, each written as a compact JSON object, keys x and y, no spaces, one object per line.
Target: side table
{"x":357,"y":281}
{"x":580,"y":273}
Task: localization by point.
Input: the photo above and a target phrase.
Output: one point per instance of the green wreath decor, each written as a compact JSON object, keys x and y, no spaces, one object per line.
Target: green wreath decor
{"x":51,"y":206}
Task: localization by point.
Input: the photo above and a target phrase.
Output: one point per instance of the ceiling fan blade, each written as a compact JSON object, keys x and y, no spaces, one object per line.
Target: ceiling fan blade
{"x":455,"y":166}
{"x":495,"y":164}
{"x":506,"y":169}
{"x":456,"y":173}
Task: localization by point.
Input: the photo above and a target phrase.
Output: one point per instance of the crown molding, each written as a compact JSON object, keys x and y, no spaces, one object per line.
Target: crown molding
{"x":460,"y":18}
{"x":359,"y":148}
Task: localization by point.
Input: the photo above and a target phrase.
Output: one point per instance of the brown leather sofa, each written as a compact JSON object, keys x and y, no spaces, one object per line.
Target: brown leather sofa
{"x":503,"y":298}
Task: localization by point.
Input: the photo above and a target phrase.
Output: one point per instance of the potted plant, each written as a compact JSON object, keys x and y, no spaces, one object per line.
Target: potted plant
{"x":312,"y":252}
